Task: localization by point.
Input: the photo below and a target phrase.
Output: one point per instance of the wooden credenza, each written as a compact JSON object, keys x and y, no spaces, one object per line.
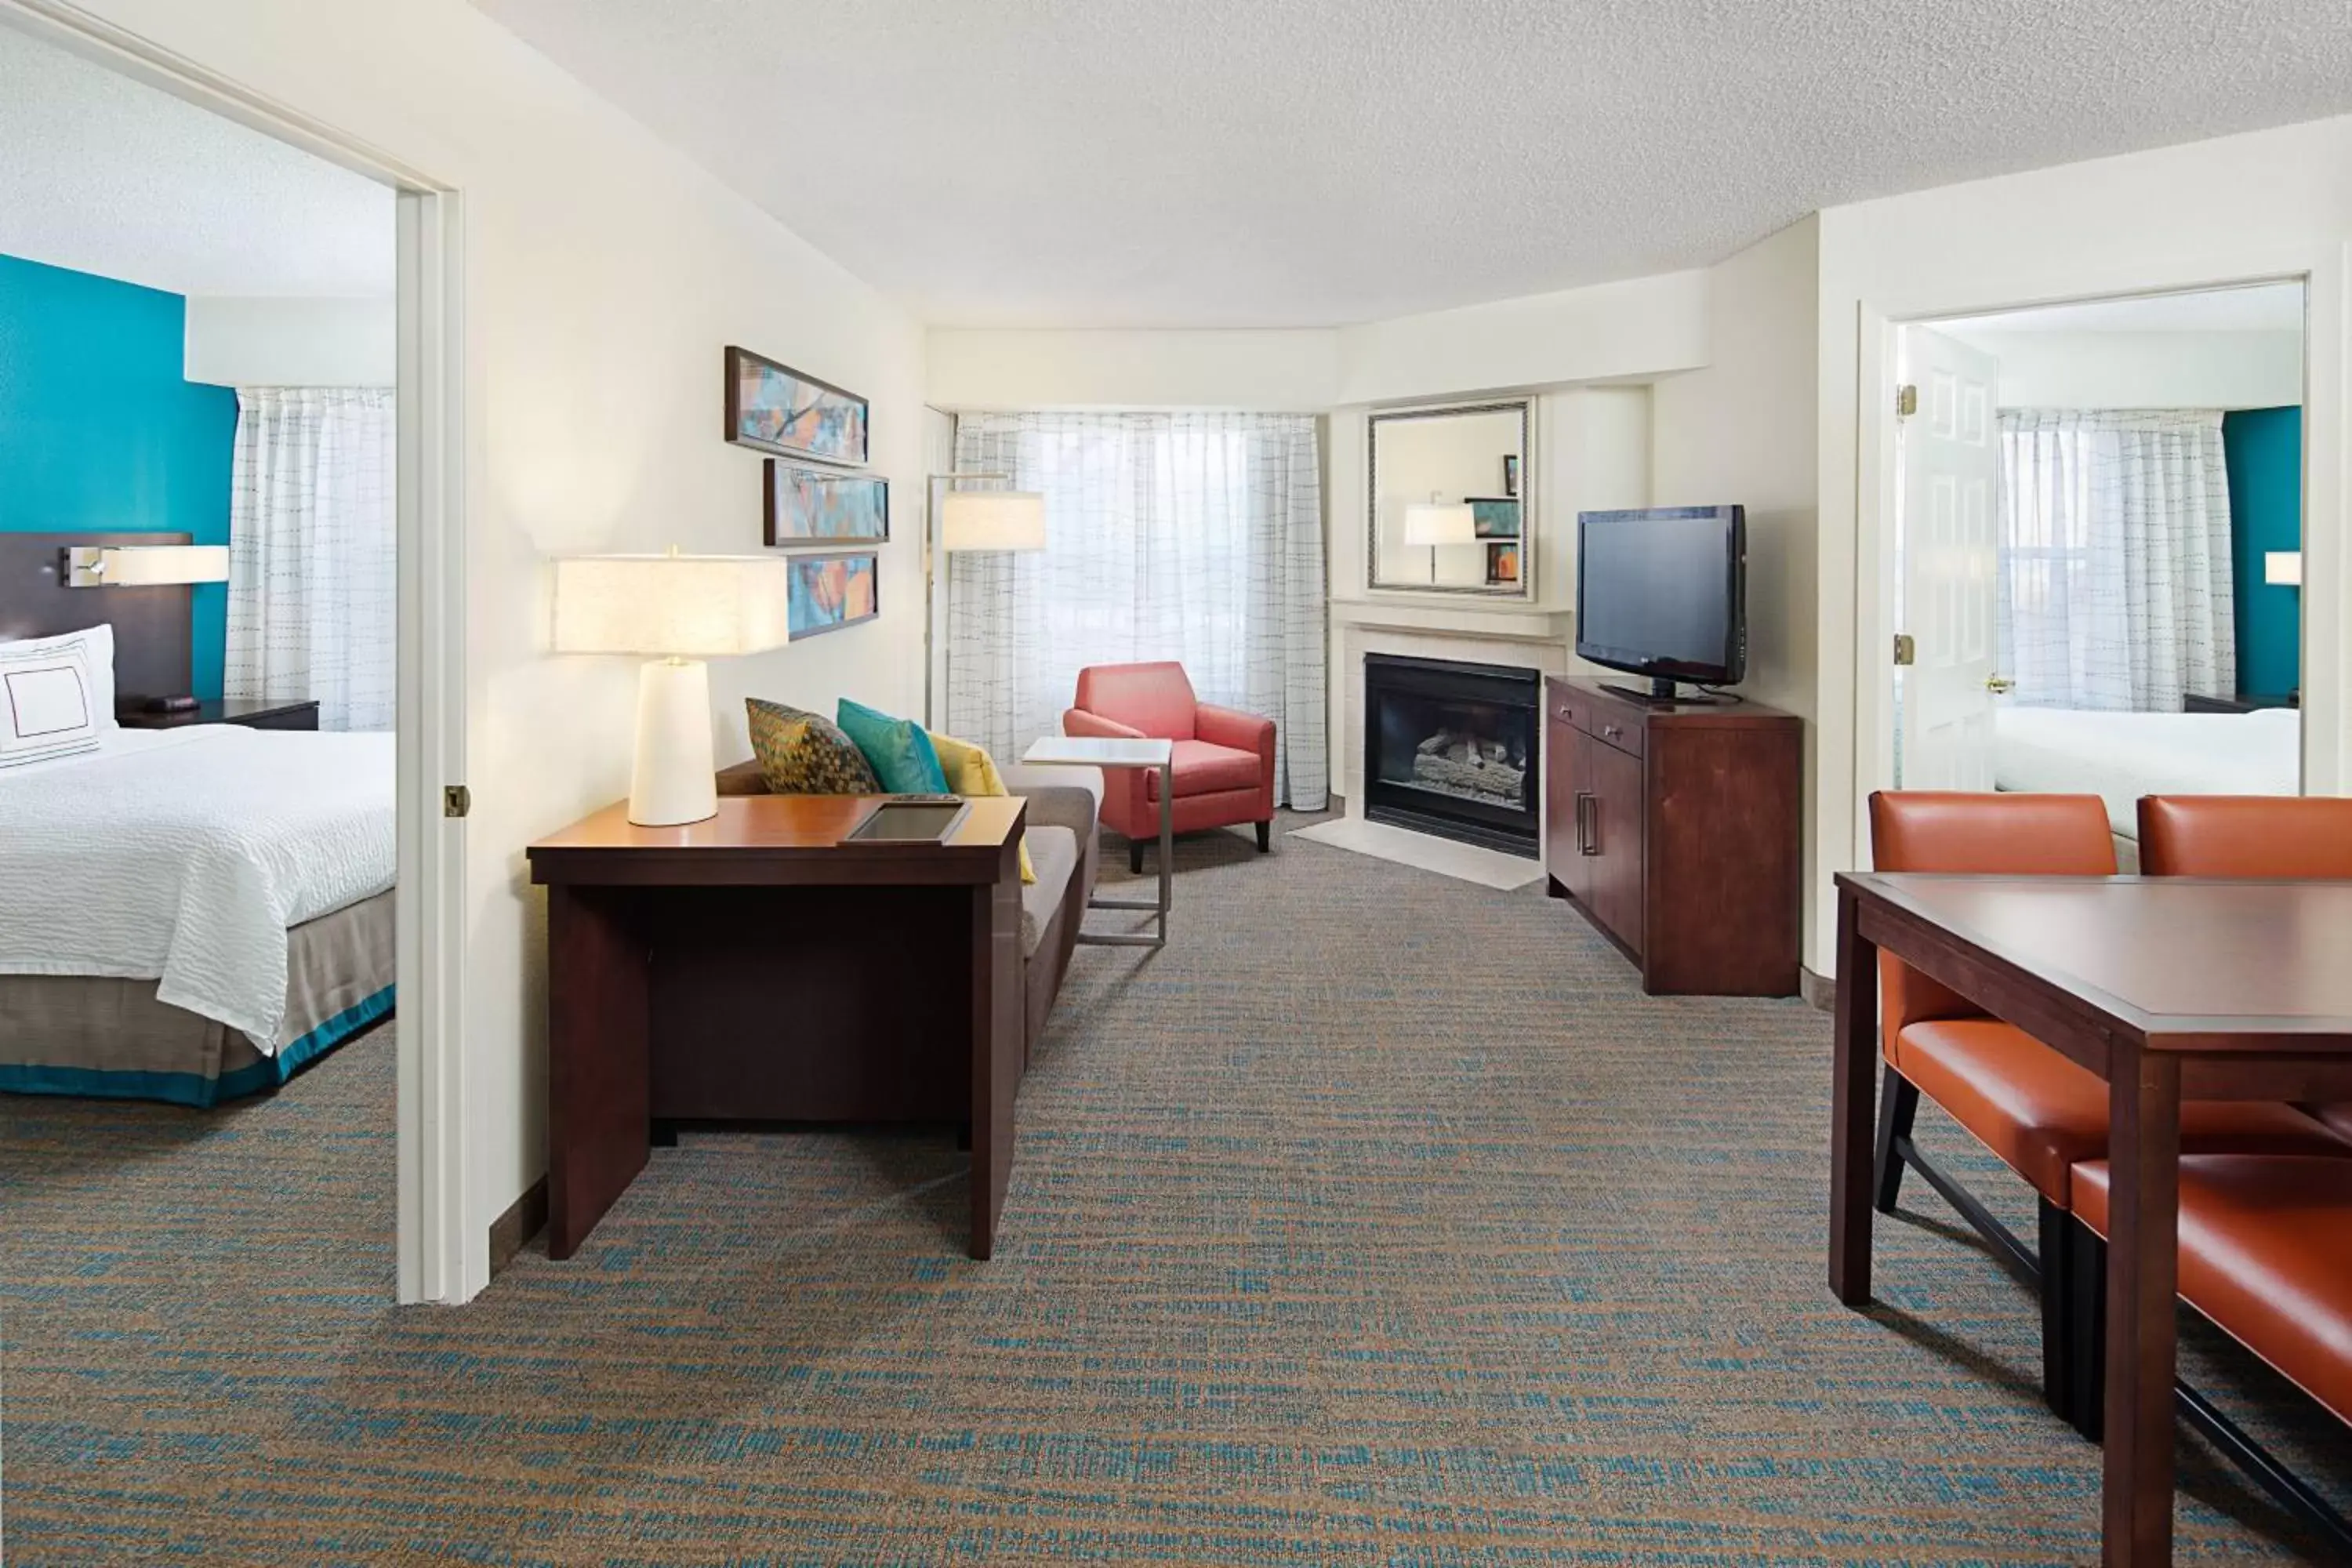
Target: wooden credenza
{"x":1673,"y":828}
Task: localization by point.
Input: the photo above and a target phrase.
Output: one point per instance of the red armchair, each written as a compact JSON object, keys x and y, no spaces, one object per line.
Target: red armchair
{"x":1223,"y":761}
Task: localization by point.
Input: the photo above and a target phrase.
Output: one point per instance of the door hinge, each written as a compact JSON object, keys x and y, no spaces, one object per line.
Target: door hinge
{"x":1906,"y":650}
{"x":1906,"y":401}
{"x":456,"y":800}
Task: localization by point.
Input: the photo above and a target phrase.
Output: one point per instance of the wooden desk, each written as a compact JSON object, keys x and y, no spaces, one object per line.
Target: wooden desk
{"x":2166,"y":988}
{"x":753,"y":965}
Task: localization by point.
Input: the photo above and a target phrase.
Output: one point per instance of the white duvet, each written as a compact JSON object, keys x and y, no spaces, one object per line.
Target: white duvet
{"x":184,"y":855}
{"x":2120,"y":757}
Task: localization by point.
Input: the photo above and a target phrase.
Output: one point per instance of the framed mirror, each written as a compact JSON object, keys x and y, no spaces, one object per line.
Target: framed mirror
{"x":1451,"y":500}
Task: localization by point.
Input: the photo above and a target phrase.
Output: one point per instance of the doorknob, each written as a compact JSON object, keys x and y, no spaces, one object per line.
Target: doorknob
{"x":2000,"y":685}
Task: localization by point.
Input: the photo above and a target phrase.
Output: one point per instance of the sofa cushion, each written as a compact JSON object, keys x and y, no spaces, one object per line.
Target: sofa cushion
{"x":898,"y":750}
{"x":1204,"y":769}
{"x":1055,"y":852}
{"x":802,"y":752}
{"x":970,"y":771}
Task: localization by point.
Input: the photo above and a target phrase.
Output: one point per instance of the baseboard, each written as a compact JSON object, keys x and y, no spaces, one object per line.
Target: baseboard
{"x":1821,"y":993}
{"x":513,"y":1230}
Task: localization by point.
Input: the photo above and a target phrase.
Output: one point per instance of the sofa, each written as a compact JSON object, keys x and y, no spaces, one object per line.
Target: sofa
{"x":1064,"y":806}
{"x":1223,"y":759}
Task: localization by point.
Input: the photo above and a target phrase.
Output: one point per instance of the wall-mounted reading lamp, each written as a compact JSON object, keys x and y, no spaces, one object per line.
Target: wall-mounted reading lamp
{"x":143,"y":565}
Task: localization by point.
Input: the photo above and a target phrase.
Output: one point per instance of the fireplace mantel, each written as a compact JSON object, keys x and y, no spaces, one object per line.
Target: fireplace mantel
{"x":1499,"y":622}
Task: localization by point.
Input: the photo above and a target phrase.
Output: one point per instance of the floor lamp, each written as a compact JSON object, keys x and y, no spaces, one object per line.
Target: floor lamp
{"x":969,"y":521}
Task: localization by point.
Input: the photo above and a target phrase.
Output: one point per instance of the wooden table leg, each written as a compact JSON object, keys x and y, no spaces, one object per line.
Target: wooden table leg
{"x":1852,"y":1093}
{"x":599,"y":1095}
{"x":999,"y":1030}
{"x":2143,"y":1269}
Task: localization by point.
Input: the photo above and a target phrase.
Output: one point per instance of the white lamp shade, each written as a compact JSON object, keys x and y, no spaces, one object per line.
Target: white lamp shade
{"x":1439,"y":522}
{"x":684,"y":607}
{"x":2282,"y":566}
{"x":993,"y":520}
{"x":149,"y":565}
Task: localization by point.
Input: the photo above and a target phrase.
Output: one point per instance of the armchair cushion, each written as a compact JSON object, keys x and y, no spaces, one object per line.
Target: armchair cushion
{"x":1203,"y":769}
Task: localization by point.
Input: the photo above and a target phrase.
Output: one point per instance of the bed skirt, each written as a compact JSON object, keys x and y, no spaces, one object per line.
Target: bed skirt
{"x":110,"y":1038}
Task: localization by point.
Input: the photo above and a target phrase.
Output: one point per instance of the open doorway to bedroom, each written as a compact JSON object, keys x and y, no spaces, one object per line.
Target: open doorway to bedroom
{"x":2099,"y":514}
{"x":213,"y":626}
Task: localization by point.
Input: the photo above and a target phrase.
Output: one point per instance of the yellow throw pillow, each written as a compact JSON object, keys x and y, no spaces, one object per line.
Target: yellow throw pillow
{"x":972,"y":772}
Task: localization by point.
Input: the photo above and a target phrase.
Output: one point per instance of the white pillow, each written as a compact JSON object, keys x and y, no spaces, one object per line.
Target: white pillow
{"x":49,"y":703}
{"x":97,"y":646}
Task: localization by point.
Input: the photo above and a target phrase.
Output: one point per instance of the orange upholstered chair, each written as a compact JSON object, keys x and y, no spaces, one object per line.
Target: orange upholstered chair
{"x":2038,"y":1111}
{"x":2274,"y":835}
{"x":1223,"y":760}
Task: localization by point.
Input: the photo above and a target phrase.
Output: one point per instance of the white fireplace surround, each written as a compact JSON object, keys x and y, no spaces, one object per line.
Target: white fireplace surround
{"x":1522,"y":636}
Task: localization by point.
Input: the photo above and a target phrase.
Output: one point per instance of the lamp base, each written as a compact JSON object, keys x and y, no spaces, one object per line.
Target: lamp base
{"x":674,"y":779}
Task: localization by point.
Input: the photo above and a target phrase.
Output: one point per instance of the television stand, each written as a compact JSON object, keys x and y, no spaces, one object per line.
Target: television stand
{"x":1661,"y":694}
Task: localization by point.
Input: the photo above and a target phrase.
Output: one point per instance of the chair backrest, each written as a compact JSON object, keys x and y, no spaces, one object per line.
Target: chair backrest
{"x":1949,"y":830}
{"x":2246,"y":835}
{"x":1156,"y":699}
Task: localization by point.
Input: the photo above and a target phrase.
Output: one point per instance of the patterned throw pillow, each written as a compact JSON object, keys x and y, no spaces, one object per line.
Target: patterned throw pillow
{"x":805,"y":753}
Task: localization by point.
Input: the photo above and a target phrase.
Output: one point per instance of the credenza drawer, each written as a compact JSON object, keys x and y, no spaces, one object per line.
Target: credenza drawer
{"x":1612,"y":723}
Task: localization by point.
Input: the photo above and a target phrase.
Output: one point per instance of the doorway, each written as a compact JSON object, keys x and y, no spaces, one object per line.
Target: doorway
{"x":2096,"y":544}
{"x":436,"y":1261}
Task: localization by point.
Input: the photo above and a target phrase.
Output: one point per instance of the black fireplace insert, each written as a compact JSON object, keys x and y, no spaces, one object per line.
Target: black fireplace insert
{"x":1454,"y":749}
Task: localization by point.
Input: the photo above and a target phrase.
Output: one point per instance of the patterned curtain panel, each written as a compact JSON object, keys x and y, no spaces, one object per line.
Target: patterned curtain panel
{"x":311,"y":555}
{"x":1195,"y":537}
{"x":2115,"y":589}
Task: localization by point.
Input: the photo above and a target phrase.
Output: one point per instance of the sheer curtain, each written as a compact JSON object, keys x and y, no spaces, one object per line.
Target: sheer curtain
{"x":2114,"y":588}
{"x":312,"y":581}
{"x":1196,"y":537}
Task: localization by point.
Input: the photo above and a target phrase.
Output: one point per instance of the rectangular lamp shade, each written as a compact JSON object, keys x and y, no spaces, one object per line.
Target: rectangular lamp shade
{"x":2284,"y":567}
{"x":145,"y":565}
{"x":1439,"y":522}
{"x":680,"y":606}
{"x":991,"y":519}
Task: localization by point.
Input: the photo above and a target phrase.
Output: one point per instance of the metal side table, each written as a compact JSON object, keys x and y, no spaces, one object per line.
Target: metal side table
{"x":1118,"y":752}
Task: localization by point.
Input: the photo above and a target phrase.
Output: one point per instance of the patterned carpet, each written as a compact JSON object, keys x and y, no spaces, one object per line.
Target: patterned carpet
{"x":1379,"y":1220}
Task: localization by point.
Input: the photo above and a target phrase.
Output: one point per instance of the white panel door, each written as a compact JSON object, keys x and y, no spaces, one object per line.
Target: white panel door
{"x":1949,"y":462}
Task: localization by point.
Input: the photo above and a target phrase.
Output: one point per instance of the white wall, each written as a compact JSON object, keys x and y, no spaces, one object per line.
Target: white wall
{"x":603,"y":275}
{"x":2272,"y":205}
{"x":1258,"y":371}
{"x":2143,"y":370}
{"x":291,"y":343}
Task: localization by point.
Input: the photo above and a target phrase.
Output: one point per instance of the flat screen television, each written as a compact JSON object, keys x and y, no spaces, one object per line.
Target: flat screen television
{"x":1662,"y":591}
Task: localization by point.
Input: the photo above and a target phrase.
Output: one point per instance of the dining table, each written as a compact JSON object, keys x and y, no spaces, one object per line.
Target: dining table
{"x":2167,"y":988}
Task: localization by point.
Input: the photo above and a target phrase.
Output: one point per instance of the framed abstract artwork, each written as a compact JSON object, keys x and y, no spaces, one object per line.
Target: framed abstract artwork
{"x":830,"y":592}
{"x":1494,"y":518}
{"x":779,"y":409}
{"x":812,"y":505}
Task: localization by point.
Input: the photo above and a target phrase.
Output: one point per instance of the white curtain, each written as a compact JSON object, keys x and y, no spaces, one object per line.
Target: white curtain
{"x":1195,"y":537}
{"x":312,"y":581}
{"x":2114,"y":588}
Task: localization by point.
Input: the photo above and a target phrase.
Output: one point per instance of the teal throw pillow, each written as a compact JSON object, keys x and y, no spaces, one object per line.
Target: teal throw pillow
{"x":902,"y":755}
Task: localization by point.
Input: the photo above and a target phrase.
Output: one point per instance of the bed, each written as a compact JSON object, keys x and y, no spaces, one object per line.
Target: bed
{"x":2120,"y":757}
{"x":193,"y":914}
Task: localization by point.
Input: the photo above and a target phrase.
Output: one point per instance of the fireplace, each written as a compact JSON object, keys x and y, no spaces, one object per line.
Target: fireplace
{"x":1454,"y":749}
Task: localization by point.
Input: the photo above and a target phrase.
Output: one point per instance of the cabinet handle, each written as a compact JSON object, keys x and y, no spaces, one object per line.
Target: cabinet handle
{"x":1587,"y":820}
{"x":1610,"y":732}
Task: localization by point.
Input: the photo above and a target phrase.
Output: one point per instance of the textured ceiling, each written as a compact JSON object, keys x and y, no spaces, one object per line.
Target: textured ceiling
{"x":1310,"y":163}
{"x":104,"y":175}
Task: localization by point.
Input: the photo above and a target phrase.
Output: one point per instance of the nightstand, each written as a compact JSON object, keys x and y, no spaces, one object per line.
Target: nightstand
{"x":265,"y":715}
{"x":2191,"y":703}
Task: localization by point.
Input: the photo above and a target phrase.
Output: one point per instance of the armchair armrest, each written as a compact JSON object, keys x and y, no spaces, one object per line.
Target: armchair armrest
{"x":1079,"y":721}
{"x":1231,"y":727}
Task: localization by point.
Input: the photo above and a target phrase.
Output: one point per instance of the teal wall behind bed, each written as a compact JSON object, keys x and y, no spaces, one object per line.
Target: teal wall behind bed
{"x":99,"y":430}
{"x":2264,"y":453}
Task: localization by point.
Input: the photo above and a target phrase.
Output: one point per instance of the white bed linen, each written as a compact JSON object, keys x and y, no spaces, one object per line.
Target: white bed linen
{"x":2120,"y":757}
{"x":184,"y":855}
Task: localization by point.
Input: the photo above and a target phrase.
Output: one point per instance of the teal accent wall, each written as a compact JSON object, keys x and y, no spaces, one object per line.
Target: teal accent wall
{"x":98,"y":431}
{"x":2264,"y":448}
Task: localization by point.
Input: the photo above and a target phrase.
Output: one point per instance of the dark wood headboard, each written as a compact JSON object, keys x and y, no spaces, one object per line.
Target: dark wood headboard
{"x":151,"y":625}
